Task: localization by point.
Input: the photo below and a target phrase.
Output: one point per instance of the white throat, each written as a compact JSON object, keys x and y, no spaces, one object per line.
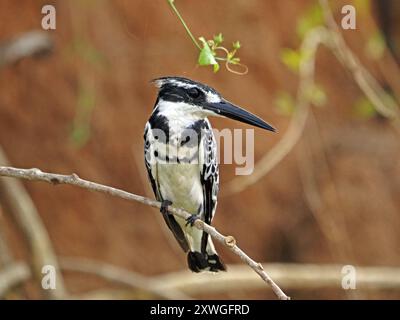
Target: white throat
{"x":181,"y":114}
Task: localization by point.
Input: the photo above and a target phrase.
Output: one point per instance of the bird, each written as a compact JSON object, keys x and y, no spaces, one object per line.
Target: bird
{"x":180,"y":154}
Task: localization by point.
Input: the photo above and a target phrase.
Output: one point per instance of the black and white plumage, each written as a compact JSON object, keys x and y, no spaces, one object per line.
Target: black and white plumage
{"x":181,"y":160}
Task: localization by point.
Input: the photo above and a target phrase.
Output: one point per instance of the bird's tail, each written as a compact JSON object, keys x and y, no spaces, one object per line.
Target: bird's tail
{"x":199,"y":262}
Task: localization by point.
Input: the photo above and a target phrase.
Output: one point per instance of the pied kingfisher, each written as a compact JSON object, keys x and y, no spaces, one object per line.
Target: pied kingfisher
{"x":181,"y":160}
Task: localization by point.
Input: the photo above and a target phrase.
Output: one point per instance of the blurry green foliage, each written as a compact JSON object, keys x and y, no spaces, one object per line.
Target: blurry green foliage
{"x":362,"y":6}
{"x":285,"y":103}
{"x":291,"y":58}
{"x":376,"y":46}
{"x":81,"y":128}
{"x":88,"y":52}
{"x":312,"y":18}
{"x":364,"y":109}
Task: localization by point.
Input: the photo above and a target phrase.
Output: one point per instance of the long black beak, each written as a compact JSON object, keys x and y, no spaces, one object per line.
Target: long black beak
{"x":229,"y":110}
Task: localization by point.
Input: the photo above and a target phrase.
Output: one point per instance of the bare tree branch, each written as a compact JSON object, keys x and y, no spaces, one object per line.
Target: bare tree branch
{"x":299,"y":119}
{"x":291,"y":276}
{"x":121,"y":276}
{"x":12,"y":275}
{"x":333,"y":40}
{"x":22,"y":208}
{"x":112,"y":294}
{"x":228,"y":241}
{"x":28,"y":44}
{"x":16,"y":273}
{"x":367,"y":83}
{"x":5,"y":254}
{"x":176,"y":285}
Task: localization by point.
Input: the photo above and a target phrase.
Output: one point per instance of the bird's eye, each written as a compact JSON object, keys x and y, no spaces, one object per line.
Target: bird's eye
{"x":194,"y":92}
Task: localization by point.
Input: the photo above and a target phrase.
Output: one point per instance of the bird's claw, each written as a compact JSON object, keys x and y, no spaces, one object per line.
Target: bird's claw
{"x":164,"y":206}
{"x":191,"y":220}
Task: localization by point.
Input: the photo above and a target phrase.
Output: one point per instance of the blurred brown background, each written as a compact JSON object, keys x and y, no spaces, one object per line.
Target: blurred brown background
{"x":83,"y":109}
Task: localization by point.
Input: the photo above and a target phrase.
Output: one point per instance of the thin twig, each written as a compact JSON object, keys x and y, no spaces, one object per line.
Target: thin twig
{"x":16,"y":273}
{"x":12,"y":275}
{"x":367,"y":83}
{"x":333,"y":40}
{"x":228,"y":241}
{"x":24,"y":212}
{"x":172,"y":5}
{"x":5,"y":253}
{"x":329,"y":213}
{"x":299,"y":119}
{"x":291,"y":275}
{"x":110,"y":294}
{"x":121,"y":276}
{"x":28,"y":44}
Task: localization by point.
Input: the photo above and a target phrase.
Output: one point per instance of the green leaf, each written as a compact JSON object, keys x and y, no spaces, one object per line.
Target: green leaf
{"x":291,"y":58}
{"x":312,"y":18}
{"x":206,"y":56}
{"x":236,"y":45}
{"x":218,"y":38}
{"x":285,"y":103}
{"x":216,"y":67}
{"x":364,"y":109}
{"x":376,"y":46}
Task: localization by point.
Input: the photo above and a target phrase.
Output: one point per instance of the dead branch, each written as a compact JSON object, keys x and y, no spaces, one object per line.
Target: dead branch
{"x":291,"y":276}
{"x":20,"y":205}
{"x":227,"y":241}
{"x":7,"y":260}
{"x":5,"y":254}
{"x":111,"y":294}
{"x":299,"y":119}
{"x":367,"y":83}
{"x":176,"y":285}
{"x":12,"y":275}
{"x":16,"y":273}
{"x":120,"y":276}
{"x":333,"y":40}
{"x":31,"y":43}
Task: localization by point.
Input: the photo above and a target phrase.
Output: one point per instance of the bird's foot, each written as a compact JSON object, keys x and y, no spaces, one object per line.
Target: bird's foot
{"x":191,"y":220}
{"x":164,"y":206}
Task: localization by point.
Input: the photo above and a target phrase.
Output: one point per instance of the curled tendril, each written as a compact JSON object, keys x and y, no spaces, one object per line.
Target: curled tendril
{"x":231,"y":60}
{"x":241,"y":65}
